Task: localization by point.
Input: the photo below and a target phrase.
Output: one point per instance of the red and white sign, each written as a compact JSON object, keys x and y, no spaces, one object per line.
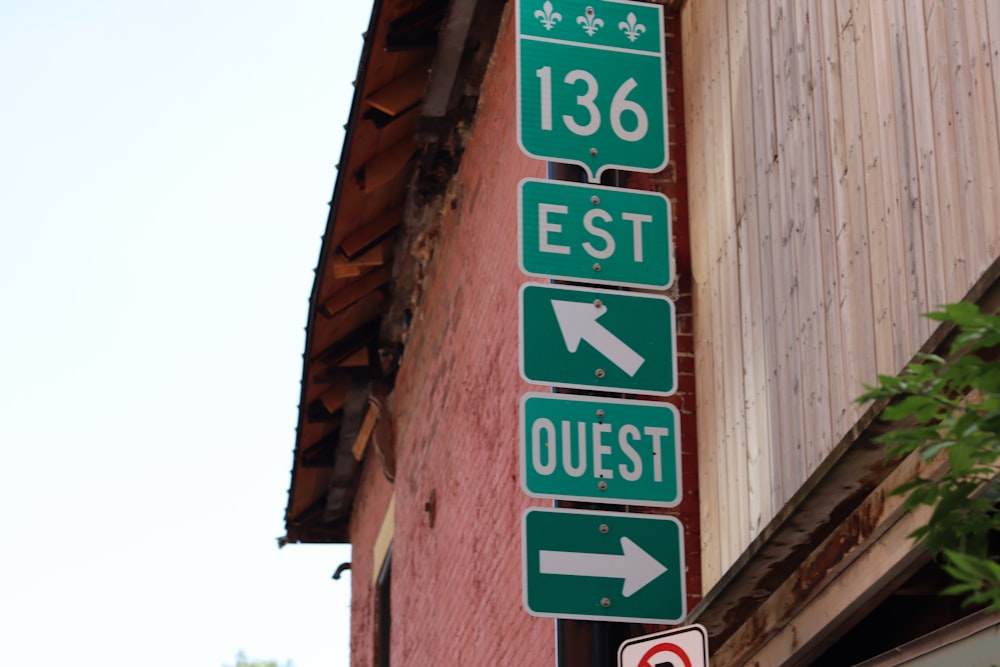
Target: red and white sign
{"x":680,"y":647}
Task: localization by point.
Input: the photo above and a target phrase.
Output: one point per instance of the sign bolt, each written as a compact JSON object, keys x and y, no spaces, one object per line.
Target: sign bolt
{"x":593,"y":152}
{"x":600,"y":413}
{"x":604,"y":527}
{"x":605,"y":602}
{"x":602,"y":485}
{"x":599,"y":372}
{"x":595,"y":200}
{"x":598,"y":303}
{"x":597,"y":267}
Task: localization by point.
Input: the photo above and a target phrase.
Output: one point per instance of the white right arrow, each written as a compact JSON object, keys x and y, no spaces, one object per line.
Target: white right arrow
{"x":633,"y":565}
{"x":578,"y":321}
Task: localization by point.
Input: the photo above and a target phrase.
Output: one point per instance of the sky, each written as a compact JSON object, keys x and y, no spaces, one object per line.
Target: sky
{"x":165,"y":173}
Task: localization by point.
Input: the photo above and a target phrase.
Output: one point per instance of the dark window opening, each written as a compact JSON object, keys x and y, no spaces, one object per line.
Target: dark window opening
{"x":383,"y":610}
{"x":914,"y":609}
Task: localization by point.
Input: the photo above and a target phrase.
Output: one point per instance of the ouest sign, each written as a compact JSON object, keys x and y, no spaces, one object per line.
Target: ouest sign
{"x":599,"y":449}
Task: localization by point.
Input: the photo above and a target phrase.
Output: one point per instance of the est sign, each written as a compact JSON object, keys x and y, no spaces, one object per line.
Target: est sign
{"x":591,"y":83}
{"x":597,"y":339}
{"x":594,"y":233}
{"x":606,"y":450}
{"x":603,"y":566}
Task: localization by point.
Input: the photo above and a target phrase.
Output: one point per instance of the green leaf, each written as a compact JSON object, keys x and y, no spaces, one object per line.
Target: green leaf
{"x":962,"y":313}
{"x":922,"y":408}
{"x":930,"y":451}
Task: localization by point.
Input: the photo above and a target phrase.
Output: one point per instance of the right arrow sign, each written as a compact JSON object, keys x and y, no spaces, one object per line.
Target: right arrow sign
{"x":603,"y":566}
{"x":597,"y":339}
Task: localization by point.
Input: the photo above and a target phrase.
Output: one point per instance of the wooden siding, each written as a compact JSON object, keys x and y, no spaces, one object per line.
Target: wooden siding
{"x":844,"y":174}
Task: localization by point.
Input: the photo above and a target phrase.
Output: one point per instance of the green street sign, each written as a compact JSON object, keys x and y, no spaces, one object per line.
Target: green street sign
{"x":597,"y":339}
{"x":593,"y":233}
{"x":603,"y":566}
{"x":591,"y":83}
{"x":606,"y":450}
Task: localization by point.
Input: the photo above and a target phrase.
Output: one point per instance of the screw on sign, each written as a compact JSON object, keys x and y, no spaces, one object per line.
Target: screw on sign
{"x":681,"y":647}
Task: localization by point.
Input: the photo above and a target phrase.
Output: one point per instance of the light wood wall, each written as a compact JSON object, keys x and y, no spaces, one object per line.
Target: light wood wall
{"x":844,"y":177}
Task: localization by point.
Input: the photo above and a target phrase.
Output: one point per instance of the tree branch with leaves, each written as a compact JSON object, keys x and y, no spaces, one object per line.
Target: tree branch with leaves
{"x":243,"y":661}
{"x":951,"y":407}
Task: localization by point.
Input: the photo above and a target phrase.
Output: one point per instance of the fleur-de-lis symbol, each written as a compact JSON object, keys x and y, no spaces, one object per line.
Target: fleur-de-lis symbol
{"x":631,"y":28}
{"x":590,"y":23}
{"x":548,"y":17}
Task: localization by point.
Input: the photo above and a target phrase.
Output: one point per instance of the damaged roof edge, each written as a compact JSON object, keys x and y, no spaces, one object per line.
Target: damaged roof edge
{"x":461,"y":34}
{"x":324,"y":251}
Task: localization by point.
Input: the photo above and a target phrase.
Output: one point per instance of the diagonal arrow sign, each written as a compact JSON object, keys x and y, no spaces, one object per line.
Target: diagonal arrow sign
{"x":578,"y":321}
{"x":634,"y":565}
{"x":631,"y":339}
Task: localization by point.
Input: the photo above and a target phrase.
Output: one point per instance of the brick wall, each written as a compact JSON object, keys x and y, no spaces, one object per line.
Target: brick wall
{"x":457,"y":585}
{"x":457,"y":400}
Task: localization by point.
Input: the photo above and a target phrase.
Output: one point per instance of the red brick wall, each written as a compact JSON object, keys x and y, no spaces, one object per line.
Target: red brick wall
{"x":456,"y":584}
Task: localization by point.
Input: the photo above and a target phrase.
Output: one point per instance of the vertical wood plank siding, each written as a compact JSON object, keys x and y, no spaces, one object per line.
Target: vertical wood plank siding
{"x":844,"y":171}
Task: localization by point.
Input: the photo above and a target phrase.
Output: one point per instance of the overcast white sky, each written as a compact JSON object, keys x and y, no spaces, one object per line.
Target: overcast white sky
{"x":165,"y":169}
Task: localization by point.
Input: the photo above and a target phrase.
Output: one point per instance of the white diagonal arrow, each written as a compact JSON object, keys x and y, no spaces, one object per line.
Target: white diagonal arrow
{"x":578,"y":321}
{"x":633,"y":565}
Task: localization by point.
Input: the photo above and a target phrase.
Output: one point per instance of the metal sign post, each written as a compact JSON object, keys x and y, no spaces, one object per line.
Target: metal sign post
{"x":591,"y":92}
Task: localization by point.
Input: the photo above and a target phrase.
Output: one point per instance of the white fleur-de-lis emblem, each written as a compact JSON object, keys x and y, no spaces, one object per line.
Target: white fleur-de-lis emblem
{"x":631,"y":28}
{"x":590,"y":23}
{"x":548,"y":17}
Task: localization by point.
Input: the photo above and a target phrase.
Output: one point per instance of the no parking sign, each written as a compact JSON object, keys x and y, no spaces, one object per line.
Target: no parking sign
{"x":681,"y":647}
